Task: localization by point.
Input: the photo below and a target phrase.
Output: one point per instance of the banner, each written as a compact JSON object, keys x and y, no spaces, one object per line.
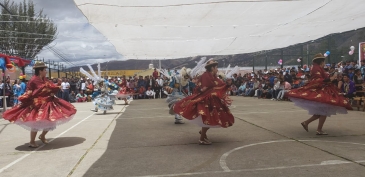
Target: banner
{"x":361,"y":52}
{"x":110,"y":73}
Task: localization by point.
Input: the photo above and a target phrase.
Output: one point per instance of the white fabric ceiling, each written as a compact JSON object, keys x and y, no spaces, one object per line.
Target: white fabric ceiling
{"x":165,"y":29}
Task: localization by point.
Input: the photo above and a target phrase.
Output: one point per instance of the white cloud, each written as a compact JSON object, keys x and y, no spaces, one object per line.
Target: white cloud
{"x":77,"y":39}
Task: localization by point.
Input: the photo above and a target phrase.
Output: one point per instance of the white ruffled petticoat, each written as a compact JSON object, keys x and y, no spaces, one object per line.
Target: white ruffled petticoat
{"x":317,"y":108}
{"x":42,"y":125}
{"x":199,"y":121}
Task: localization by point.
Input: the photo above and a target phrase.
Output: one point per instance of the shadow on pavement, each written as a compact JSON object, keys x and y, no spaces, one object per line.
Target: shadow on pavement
{"x":62,"y":142}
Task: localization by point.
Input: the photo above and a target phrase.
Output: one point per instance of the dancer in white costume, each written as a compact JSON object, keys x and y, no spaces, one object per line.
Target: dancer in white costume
{"x":182,"y":85}
{"x":106,"y":99}
{"x":174,"y":90}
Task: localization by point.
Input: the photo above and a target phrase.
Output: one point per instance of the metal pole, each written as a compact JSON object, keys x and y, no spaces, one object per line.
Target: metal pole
{"x":266,"y":61}
{"x":329,"y":48}
{"x":253,"y":63}
{"x":58,"y":70}
{"x":4,"y":97}
{"x":282,"y":58}
{"x":301,"y":56}
{"x":49,"y":69}
{"x":307,"y":55}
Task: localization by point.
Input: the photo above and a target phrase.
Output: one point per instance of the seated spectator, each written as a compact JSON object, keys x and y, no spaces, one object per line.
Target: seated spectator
{"x":276,"y":89}
{"x":141,"y":92}
{"x":259,"y":87}
{"x":348,"y":87}
{"x":358,"y":79}
{"x":88,"y":98}
{"x":249,"y":88}
{"x":72,"y":97}
{"x":242,"y":88}
{"x":282,"y":92}
{"x":150,"y":93}
{"x":81,"y":97}
{"x":233,"y":90}
{"x":264,"y":91}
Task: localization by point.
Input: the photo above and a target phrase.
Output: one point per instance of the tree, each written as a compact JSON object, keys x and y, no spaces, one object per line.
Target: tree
{"x":24,"y":32}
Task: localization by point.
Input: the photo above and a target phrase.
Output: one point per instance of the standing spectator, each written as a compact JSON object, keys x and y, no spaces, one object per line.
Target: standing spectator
{"x":16,"y":91}
{"x":159,"y":81}
{"x":362,"y":68}
{"x":157,"y":90}
{"x":59,"y":93}
{"x":73,"y":85}
{"x":83,"y":85}
{"x":155,"y":74}
{"x":65,"y":86}
{"x":152,"y":81}
{"x":23,"y":87}
{"x":351,"y":74}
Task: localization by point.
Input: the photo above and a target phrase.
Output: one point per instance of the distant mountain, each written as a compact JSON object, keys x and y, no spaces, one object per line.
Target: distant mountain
{"x":338,"y":44}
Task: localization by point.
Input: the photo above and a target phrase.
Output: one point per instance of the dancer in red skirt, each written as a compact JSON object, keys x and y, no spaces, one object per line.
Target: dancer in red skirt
{"x":124,"y":91}
{"x":40,"y":110}
{"x":320,"y":97}
{"x":208,"y":107}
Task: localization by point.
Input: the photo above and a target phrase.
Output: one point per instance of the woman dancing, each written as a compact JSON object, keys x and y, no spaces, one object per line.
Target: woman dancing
{"x":208,"y":106}
{"x":39,"y":109}
{"x":319,"y":96}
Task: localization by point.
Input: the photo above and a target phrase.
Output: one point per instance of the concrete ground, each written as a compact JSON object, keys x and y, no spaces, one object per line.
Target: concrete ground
{"x":142,"y":140}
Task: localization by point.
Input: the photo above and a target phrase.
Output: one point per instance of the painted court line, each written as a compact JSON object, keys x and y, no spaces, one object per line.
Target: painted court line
{"x":149,"y":109}
{"x":227,"y":170}
{"x":268,"y":112}
{"x":252,"y":170}
{"x":146,"y":117}
{"x":26,"y":155}
{"x":100,"y":136}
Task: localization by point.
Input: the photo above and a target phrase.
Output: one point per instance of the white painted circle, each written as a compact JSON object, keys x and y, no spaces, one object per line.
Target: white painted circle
{"x":223,"y":158}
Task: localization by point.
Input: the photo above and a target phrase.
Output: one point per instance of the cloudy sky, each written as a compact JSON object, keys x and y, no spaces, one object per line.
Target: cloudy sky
{"x":79,"y":40}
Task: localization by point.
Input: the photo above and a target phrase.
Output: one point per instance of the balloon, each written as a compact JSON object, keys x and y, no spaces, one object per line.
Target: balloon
{"x":11,"y":70}
{"x":9,"y":66}
{"x":20,"y":77}
{"x":299,"y":60}
{"x":351,"y":52}
{"x":325,"y":55}
{"x":352,"y":48}
{"x":328,"y":53}
{"x":280,"y":62}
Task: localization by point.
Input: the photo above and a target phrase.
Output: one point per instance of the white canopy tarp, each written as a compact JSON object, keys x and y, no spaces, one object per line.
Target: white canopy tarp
{"x":166,"y":29}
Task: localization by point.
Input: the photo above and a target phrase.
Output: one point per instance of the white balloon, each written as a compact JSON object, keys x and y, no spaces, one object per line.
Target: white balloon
{"x":325,"y":54}
{"x":352,"y":48}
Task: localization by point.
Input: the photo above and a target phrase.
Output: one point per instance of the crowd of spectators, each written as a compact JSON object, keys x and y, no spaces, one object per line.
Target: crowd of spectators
{"x":264,"y":84}
{"x":275,"y":83}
